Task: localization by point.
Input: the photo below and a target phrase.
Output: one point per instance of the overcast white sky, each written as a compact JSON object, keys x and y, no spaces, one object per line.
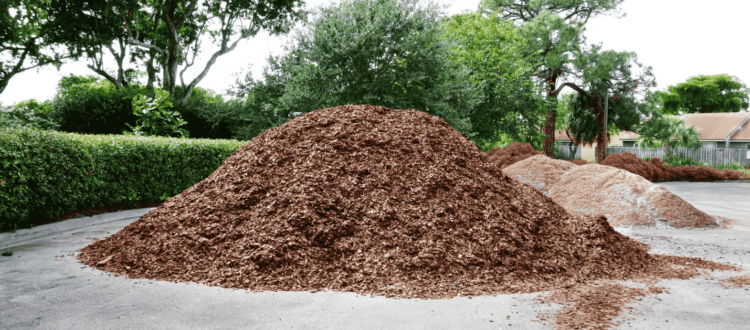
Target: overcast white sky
{"x":678,"y":38}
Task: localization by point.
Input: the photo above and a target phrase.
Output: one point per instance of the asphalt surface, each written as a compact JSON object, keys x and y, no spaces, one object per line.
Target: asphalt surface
{"x":43,"y":286}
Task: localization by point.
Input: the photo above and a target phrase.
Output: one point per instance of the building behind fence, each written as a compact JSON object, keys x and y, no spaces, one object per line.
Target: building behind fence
{"x":710,"y":156}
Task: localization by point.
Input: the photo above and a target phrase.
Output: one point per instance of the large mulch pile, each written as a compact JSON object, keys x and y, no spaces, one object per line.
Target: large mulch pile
{"x":654,"y":170}
{"x":625,"y":199}
{"x":375,"y":201}
{"x":540,"y":171}
{"x":513,"y":153}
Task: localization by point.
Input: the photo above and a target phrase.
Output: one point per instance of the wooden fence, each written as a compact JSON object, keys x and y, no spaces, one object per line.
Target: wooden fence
{"x":710,"y":156}
{"x":568,"y":152}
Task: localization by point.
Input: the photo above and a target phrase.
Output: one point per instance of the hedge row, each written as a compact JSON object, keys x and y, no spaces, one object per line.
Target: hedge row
{"x":46,"y":174}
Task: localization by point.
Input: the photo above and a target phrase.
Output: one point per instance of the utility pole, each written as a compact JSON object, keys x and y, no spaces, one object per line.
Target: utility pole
{"x":606,"y":110}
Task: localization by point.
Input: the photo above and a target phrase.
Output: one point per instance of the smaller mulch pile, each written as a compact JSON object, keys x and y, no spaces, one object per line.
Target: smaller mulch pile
{"x":624,"y":198}
{"x":513,"y":153}
{"x":655,"y":170}
{"x":540,"y":171}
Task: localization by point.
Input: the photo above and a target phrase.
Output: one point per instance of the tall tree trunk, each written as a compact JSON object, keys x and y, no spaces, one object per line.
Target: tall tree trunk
{"x":549,"y":126}
{"x":550,"y":117}
{"x":601,"y":146}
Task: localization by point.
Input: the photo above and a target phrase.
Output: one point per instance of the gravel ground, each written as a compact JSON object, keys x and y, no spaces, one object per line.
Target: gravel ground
{"x":43,"y":286}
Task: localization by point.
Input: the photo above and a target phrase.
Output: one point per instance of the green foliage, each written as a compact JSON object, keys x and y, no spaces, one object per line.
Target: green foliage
{"x":660,"y":130}
{"x":389,"y":53}
{"x":19,"y":37}
{"x":705,"y":94}
{"x":28,"y":114}
{"x":67,"y":82}
{"x":94,"y":107}
{"x":733,"y":166}
{"x":208,"y":115}
{"x":155,"y":117}
{"x":502,"y":140}
{"x":46,"y":174}
{"x":504,"y":97}
{"x":679,"y":160}
{"x":563,"y":109}
{"x":618,"y":73}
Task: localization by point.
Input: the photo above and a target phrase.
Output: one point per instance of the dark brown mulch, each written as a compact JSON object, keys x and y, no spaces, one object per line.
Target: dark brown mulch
{"x":513,"y":153}
{"x":369,"y":200}
{"x":654,"y":170}
{"x":87,"y":212}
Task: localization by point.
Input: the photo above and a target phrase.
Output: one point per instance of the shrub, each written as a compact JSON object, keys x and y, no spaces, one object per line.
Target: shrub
{"x":94,"y":108}
{"x":28,"y":114}
{"x":155,"y":117}
{"x":207,"y":115}
{"x":678,"y":160}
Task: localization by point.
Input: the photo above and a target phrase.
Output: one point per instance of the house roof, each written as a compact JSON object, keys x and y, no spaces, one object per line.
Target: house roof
{"x":744,"y":134}
{"x":560,"y":135}
{"x":714,"y":126}
{"x":711,"y":126}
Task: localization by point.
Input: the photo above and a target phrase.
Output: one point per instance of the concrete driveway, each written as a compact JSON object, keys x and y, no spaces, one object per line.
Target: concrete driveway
{"x":43,"y":286}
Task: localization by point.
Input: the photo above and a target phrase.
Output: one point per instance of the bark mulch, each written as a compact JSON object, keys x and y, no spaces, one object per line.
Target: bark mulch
{"x":375,"y":201}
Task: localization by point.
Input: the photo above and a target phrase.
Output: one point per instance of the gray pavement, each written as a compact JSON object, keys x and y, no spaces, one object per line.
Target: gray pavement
{"x":43,"y":286}
{"x":727,"y":199}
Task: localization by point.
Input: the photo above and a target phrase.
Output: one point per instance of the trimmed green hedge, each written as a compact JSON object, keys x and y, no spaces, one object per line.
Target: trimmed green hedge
{"x":46,"y":174}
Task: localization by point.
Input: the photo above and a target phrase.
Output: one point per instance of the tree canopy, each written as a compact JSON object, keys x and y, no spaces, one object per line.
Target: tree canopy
{"x":506,"y":99}
{"x":164,"y":30}
{"x":20,"y":28}
{"x":618,"y":73}
{"x":380,"y":52}
{"x":704,"y":94}
{"x":553,"y":31}
{"x":660,"y":130}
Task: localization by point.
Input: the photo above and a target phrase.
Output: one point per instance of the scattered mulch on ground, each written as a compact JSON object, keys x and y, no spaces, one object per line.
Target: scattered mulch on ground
{"x":513,"y":153}
{"x":369,"y":200}
{"x":599,"y":304}
{"x":593,"y":306}
{"x":540,"y":171}
{"x":625,"y":199}
{"x":736,"y":282}
{"x":580,"y":162}
{"x":87,"y":212}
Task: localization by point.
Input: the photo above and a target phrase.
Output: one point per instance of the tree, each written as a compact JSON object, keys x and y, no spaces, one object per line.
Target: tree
{"x":603,"y":72}
{"x":86,"y":27}
{"x":660,"y":130}
{"x":20,"y":24}
{"x":380,"y":52}
{"x":704,"y":94}
{"x":553,"y":31}
{"x":166,"y":31}
{"x":506,"y":99}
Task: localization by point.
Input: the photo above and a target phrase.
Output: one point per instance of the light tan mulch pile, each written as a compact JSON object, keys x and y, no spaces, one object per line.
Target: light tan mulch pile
{"x":540,"y":171}
{"x":626,"y":199}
